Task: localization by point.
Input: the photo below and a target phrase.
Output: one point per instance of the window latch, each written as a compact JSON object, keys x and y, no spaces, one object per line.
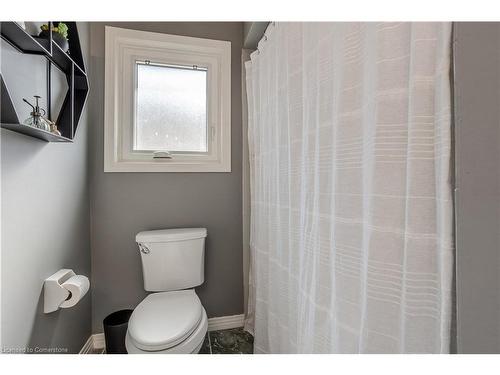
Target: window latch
{"x":162,"y":155}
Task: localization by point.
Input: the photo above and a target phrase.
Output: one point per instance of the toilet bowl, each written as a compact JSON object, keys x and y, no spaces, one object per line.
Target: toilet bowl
{"x":171,"y":320}
{"x":167,"y":323}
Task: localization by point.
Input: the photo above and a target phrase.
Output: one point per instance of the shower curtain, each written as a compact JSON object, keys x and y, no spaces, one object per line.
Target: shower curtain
{"x":351,"y":201}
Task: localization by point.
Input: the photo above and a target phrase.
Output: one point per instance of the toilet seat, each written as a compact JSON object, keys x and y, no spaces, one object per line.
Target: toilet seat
{"x":166,"y":321}
{"x":191,"y":345}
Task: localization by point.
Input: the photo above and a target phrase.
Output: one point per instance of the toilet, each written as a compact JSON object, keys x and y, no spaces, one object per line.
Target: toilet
{"x":172,"y":318}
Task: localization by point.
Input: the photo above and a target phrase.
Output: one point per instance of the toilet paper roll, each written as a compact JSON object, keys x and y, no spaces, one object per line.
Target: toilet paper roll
{"x":78,"y":286}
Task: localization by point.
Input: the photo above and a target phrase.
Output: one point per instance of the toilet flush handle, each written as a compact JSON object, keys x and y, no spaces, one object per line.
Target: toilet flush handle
{"x":144,"y":249}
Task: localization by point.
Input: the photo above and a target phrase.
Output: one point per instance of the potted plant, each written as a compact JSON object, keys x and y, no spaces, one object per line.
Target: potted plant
{"x":59,"y":34}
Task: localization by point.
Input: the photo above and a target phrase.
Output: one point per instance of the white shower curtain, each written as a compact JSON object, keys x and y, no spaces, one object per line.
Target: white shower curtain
{"x":351,"y":202}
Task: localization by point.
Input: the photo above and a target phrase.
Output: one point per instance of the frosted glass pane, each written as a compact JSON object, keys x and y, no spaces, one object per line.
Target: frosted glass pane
{"x":171,"y":111}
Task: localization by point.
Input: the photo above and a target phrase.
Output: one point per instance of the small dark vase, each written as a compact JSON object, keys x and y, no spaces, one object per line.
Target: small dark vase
{"x":56,"y":37}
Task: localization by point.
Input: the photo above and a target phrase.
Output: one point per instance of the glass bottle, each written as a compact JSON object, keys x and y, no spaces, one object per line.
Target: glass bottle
{"x":36,"y":117}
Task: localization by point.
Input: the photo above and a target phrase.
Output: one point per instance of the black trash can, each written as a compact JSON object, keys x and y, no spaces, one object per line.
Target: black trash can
{"x":115,"y":330}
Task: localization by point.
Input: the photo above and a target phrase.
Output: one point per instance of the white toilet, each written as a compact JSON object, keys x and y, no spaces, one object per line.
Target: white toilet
{"x":172,"y":320}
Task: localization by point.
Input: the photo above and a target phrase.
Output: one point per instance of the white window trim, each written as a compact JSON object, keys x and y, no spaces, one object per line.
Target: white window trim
{"x":123,"y":48}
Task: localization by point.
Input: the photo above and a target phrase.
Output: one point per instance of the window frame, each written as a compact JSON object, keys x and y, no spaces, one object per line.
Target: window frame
{"x":124,"y":47}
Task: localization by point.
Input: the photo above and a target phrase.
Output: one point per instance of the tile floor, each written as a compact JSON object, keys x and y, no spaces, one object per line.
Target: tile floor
{"x":228,"y":341}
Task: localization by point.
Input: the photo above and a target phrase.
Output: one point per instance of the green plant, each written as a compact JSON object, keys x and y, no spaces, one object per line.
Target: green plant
{"x":61,"y":29}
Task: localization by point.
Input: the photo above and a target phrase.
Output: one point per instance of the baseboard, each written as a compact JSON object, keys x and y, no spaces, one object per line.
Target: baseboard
{"x":226,"y":322}
{"x":96,"y":342}
{"x":99,"y":342}
{"x":90,"y":346}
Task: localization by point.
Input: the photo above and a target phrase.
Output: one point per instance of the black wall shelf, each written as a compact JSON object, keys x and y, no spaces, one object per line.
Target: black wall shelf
{"x":71,"y":63}
{"x":22,"y":41}
{"x":35,"y":132}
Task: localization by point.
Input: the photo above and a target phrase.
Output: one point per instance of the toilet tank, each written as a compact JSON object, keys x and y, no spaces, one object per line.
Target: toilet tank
{"x":172,"y":259}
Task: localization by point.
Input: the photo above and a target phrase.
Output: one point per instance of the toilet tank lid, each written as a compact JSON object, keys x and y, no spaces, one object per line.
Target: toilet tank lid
{"x":167,"y":235}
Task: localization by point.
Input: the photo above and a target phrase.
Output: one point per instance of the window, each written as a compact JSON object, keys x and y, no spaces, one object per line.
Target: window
{"x":167,"y":103}
{"x":171,"y":108}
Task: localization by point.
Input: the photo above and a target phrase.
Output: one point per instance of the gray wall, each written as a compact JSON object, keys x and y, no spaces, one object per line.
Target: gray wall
{"x":124,"y":204}
{"x":477,"y":95}
{"x":45,"y":219}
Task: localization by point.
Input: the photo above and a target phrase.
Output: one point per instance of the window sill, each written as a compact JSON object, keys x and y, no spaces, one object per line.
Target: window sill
{"x":162,"y":166}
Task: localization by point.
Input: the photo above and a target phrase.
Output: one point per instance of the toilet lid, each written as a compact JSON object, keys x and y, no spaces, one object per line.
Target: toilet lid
{"x":163,"y":320}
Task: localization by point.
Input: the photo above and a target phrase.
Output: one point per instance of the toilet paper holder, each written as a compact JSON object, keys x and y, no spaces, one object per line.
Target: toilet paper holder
{"x":55,"y":294}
